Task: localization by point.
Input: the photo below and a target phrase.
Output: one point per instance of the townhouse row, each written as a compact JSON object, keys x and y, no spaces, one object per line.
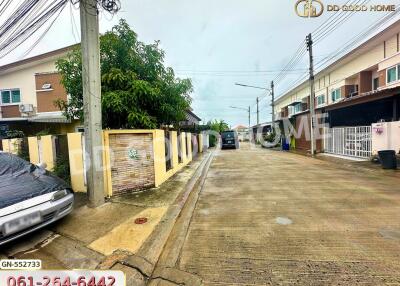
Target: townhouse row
{"x":356,"y":92}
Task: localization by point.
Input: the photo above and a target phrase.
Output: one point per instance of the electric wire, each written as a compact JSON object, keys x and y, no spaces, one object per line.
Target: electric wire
{"x":328,"y":27}
{"x":349,"y":45}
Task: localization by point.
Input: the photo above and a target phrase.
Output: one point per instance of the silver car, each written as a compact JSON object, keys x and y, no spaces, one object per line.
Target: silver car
{"x":30,"y":197}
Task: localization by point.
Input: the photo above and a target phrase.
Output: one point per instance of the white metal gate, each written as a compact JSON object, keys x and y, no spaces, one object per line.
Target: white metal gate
{"x":349,"y":141}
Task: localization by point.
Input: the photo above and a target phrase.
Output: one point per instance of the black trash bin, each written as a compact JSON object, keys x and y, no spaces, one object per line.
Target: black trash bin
{"x":388,"y":159}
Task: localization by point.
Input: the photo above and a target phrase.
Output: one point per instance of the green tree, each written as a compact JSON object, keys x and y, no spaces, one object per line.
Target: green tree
{"x":218,"y":125}
{"x":138,"y":91}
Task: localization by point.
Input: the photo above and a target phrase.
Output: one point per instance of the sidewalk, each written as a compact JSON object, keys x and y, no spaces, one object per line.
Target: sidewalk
{"x":372,"y":168}
{"x":111,"y":236}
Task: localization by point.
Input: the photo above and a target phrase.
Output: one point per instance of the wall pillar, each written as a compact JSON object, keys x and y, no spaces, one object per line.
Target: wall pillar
{"x":395,"y":108}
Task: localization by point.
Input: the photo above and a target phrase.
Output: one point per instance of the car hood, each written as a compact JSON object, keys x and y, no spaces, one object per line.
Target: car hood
{"x":20,"y":181}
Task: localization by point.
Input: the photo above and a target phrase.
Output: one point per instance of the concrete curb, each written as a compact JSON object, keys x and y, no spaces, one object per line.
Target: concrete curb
{"x":145,"y":260}
{"x":167,"y":265}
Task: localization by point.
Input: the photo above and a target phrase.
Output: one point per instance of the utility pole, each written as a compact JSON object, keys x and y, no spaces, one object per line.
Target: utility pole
{"x":250,"y":125}
{"x":312,"y":93}
{"x":273,"y":102}
{"x":249,"y":119}
{"x":258,"y":113}
{"x":92,"y":101}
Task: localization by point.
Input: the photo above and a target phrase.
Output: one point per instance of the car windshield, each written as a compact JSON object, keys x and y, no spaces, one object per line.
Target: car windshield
{"x":226,"y":135}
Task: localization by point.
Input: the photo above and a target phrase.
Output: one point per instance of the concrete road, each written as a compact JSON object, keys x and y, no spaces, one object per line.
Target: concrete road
{"x":273,"y":218}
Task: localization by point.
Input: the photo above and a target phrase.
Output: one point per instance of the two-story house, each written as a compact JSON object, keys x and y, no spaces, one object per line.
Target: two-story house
{"x":28,"y":91}
{"x":359,"y":89}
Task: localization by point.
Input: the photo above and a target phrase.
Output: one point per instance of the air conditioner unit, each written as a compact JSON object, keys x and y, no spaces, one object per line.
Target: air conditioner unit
{"x":46,"y":86}
{"x":26,"y":108}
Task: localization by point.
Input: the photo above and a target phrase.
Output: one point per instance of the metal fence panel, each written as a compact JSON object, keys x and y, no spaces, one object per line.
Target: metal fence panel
{"x":349,"y":141}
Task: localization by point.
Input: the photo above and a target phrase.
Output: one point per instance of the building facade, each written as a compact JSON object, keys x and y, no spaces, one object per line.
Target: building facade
{"x":359,"y":89}
{"x":192,"y":119}
{"x":243,"y":132}
{"x":29,"y":90}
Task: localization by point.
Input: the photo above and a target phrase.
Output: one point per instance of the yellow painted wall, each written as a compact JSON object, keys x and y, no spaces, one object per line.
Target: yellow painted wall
{"x":183,"y":146}
{"x":160,"y":171}
{"x":6,"y":145}
{"x":69,"y":127}
{"x":189,"y":144}
{"x":76,"y":162}
{"x":33,"y":150}
{"x":161,"y":174}
{"x":201,"y":147}
{"x":76,"y":156}
{"x":174,"y":141}
{"x":11,"y":145}
{"x":48,"y":152}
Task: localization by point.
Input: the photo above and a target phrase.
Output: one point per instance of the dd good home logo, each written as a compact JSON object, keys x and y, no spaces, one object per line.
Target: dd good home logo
{"x":309,"y":8}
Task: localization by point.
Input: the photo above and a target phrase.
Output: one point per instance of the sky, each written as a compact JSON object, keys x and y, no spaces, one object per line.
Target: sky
{"x":217,"y":44}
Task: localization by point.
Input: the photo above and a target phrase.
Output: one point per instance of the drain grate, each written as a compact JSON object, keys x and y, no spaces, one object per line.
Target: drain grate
{"x":141,"y":220}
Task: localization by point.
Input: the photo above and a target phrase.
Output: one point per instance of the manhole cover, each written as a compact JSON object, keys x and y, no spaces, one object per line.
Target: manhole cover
{"x":283,"y":221}
{"x":141,"y":220}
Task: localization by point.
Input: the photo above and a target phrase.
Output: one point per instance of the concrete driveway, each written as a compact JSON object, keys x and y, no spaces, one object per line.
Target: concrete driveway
{"x":274,"y":218}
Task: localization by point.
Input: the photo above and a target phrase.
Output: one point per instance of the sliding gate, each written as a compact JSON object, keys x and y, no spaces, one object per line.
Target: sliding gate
{"x":349,"y":141}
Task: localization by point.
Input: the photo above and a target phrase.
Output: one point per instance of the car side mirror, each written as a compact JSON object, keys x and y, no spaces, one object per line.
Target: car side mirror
{"x":42,"y":165}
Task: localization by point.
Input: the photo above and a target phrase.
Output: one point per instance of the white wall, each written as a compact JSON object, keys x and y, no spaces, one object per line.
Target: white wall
{"x":386,"y":136}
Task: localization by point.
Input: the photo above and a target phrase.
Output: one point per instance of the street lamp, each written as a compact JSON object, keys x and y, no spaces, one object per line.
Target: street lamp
{"x":271,"y":92}
{"x":242,"y":108}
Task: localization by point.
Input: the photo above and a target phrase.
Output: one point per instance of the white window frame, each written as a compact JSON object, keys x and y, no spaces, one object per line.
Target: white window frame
{"x":396,"y":67}
{"x":290,"y":110}
{"x":11,"y":103}
{"x":294,"y":108}
{"x":340,"y":93}
{"x":321,"y":96}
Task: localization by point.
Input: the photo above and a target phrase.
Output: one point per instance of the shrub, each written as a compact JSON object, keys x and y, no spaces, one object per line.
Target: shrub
{"x":61,"y":169}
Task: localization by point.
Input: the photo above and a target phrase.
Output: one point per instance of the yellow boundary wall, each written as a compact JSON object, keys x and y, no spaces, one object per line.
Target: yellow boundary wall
{"x":76,"y":161}
{"x":11,"y":145}
{"x":44,"y":153}
{"x":42,"y":150}
{"x":160,"y":171}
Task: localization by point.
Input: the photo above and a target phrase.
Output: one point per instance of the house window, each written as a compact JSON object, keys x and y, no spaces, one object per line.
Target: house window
{"x":375,"y":83}
{"x":5,"y":96}
{"x":391,"y":74}
{"x":336,"y":94}
{"x":398,"y":72}
{"x":297,"y":108}
{"x":321,"y":100}
{"x":10,"y":96}
{"x":290,"y":110}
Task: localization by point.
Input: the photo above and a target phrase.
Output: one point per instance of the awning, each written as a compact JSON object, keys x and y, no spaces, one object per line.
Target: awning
{"x":295,"y":103}
{"x":13,"y":119}
{"x":364,"y":98}
{"x":49,"y":119}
